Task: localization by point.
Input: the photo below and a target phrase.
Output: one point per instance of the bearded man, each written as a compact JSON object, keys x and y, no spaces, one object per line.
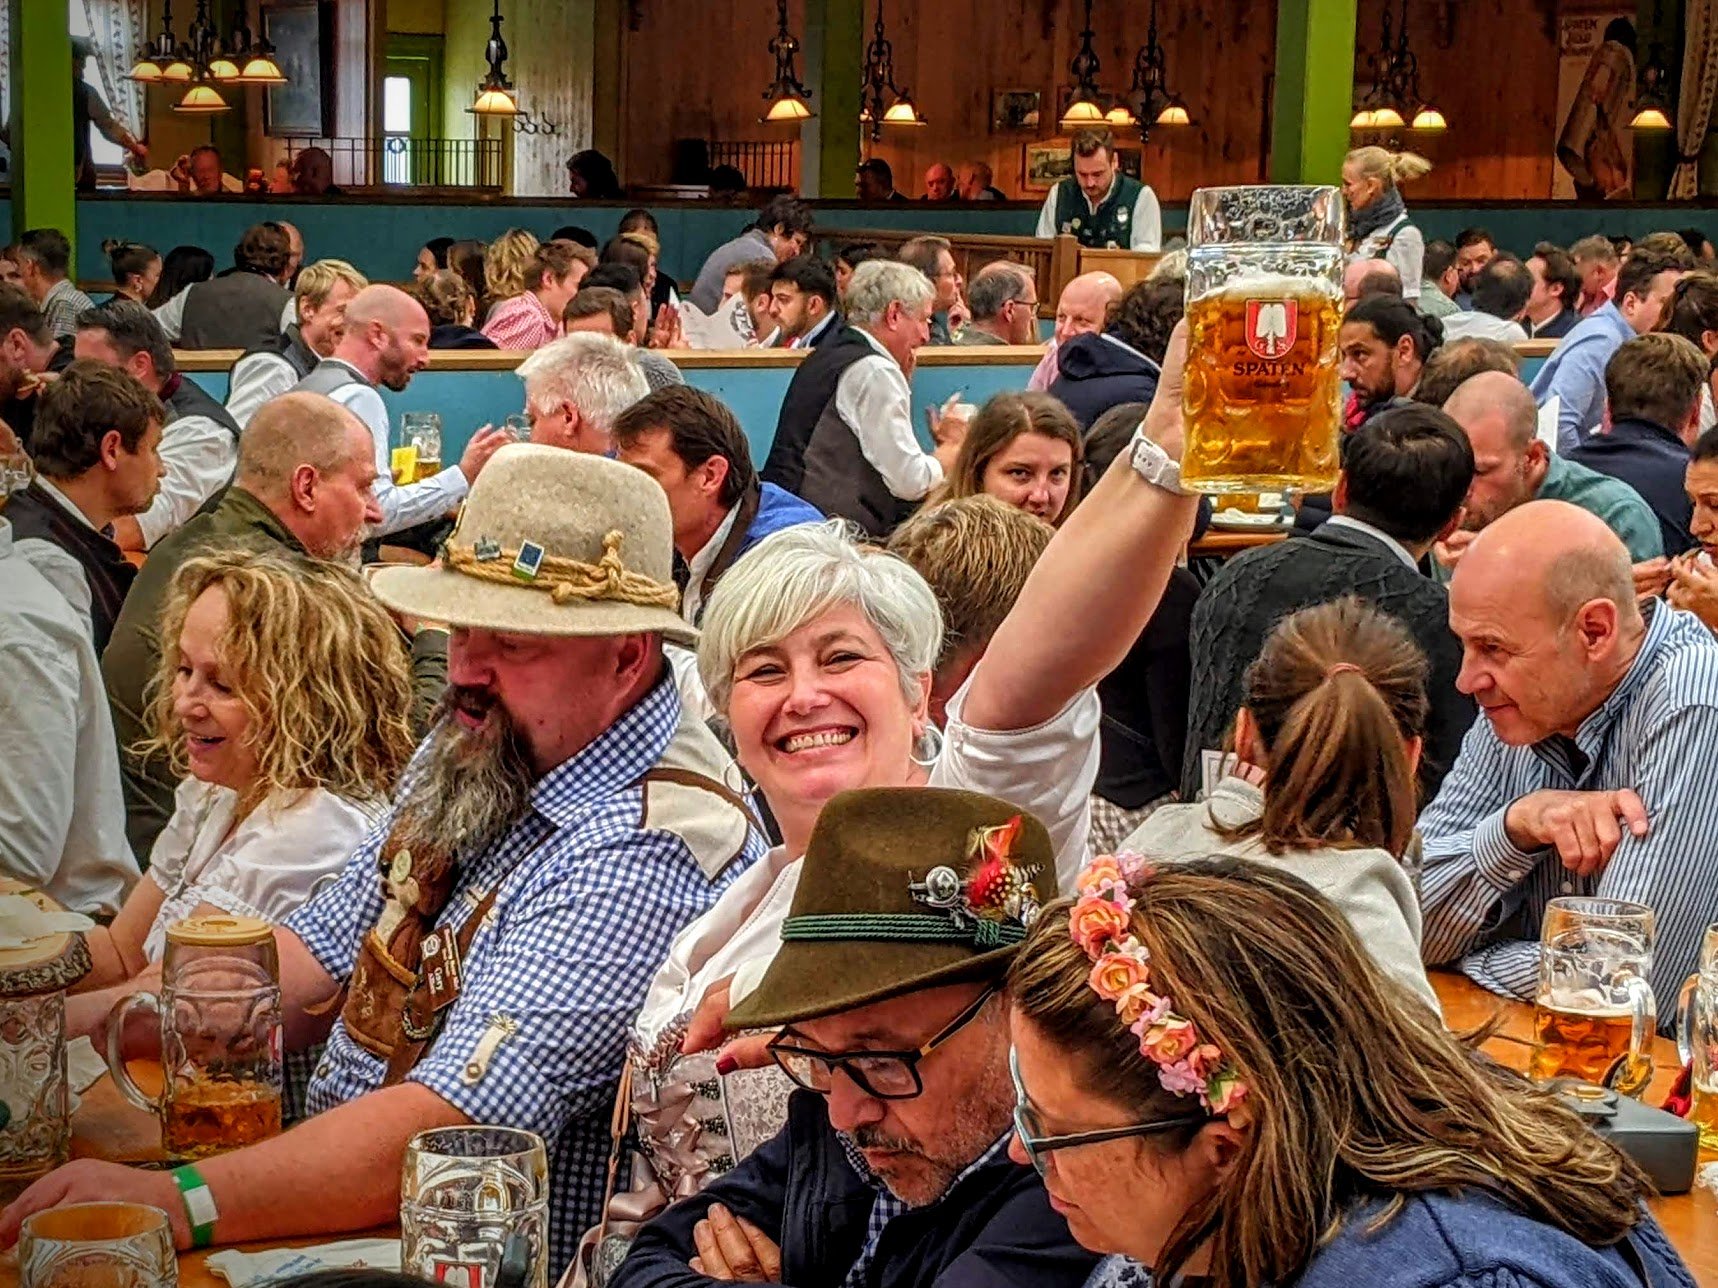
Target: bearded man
{"x":482,"y":955}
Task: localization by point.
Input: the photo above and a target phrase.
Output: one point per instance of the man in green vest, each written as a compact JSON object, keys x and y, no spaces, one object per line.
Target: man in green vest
{"x":1099,"y":205}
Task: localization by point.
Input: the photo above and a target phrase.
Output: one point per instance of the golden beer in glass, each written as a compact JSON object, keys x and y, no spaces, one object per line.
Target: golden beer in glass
{"x":1594,"y":1017}
{"x":1697,"y":1041}
{"x":1264,"y":305}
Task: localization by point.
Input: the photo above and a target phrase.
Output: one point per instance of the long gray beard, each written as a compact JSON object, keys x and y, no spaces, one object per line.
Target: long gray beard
{"x":472,"y":788}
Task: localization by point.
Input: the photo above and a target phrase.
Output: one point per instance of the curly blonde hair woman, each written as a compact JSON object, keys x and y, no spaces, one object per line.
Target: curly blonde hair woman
{"x":282,"y":696}
{"x":507,"y":265}
{"x":1216,"y":1080}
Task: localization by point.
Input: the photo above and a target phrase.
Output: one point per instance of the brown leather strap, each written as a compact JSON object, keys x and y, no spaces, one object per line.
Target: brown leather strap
{"x":407,"y":1054}
{"x":746,"y":513}
{"x":692,"y":778}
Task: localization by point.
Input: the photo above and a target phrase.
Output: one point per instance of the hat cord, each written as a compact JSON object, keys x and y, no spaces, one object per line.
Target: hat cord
{"x":567,"y":579}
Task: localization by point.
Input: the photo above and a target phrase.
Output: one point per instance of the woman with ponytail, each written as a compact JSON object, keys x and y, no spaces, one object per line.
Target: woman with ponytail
{"x":1378,"y":226}
{"x":1328,"y":738}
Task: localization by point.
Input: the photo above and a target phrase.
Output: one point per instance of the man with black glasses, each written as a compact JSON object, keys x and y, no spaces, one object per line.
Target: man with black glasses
{"x":893,"y":1168}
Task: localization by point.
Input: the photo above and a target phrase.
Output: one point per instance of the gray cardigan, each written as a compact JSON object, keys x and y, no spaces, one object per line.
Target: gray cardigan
{"x":1371,"y":888}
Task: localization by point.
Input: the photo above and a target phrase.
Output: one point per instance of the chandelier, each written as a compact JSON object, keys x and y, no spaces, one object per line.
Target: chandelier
{"x":1085,"y":107}
{"x":1395,"y":88}
{"x":787,"y":96}
{"x":878,"y":86}
{"x":1151,"y":103}
{"x":495,"y":96}
{"x":204,"y":61}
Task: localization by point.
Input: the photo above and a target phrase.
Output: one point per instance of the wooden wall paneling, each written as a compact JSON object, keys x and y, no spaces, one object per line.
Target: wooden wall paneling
{"x":550,"y":43}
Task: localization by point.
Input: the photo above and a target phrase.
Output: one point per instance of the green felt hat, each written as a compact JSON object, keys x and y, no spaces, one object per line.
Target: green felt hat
{"x":903,"y":889}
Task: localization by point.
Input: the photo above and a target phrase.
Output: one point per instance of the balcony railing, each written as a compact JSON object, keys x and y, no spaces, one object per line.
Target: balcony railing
{"x":766,"y":163}
{"x":398,"y":160}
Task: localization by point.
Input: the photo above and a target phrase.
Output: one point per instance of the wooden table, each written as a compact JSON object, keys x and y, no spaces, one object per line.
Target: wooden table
{"x":1690,"y":1220}
{"x":1220,"y":543}
{"x":107,"y":1127}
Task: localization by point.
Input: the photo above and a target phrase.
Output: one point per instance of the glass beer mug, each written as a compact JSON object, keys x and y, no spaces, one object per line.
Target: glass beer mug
{"x":470,"y":1196}
{"x":1264,"y":305}
{"x":420,"y":431}
{"x":219,"y":1012}
{"x":1697,"y":1041}
{"x":1595,"y":1017}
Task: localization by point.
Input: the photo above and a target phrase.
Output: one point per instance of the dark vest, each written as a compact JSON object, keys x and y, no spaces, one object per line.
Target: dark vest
{"x":33,"y":513}
{"x":327,"y":378}
{"x":816,"y":455}
{"x":1108,"y":227}
{"x":188,"y":398}
{"x":239,"y":311}
{"x":289,"y":345}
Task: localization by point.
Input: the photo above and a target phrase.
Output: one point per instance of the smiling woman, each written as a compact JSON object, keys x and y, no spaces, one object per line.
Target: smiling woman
{"x":282,"y":694}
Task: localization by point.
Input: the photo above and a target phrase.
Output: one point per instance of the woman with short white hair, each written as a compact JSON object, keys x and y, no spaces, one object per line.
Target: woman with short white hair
{"x":818,"y":653}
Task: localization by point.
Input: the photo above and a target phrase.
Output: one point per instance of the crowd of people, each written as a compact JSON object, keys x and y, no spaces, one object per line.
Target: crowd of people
{"x":953,"y":885}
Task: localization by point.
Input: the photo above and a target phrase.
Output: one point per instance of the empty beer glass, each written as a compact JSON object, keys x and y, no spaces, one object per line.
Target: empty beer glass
{"x":97,"y":1245}
{"x":1594,"y":1017}
{"x":1697,"y":1041}
{"x":1264,"y":305}
{"x":464,"y":1193}
{"x":221,"y":1037}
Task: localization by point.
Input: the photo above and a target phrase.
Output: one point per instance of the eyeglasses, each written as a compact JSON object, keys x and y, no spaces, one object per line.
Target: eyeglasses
{"x":883,"y":1075}
{"x":1038,"y":1146}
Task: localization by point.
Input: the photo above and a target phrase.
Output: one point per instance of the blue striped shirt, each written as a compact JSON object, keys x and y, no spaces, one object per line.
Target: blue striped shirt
{"x":1657,"y":733}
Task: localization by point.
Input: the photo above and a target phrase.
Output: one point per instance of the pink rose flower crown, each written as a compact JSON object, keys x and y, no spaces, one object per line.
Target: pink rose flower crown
{"x":1121,"y":975}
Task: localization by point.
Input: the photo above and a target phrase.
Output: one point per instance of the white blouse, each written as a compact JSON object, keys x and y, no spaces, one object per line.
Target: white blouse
{"x":269,"y":864}
{"x":1047,"y":771}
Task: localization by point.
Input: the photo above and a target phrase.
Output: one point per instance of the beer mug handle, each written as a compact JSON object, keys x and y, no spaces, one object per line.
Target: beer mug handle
{"x":1644,"y":1010}
{"x":116,"y":1022}
{"x":1685,"y":1018}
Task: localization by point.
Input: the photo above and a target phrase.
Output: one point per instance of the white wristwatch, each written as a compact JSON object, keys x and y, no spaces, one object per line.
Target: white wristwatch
{"x":1154,"y":465}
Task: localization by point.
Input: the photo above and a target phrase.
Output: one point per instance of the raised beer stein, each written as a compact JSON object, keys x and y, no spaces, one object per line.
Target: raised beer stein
{"x":1264,"y":305}
{"x":1697,"y":1041}
{"x":219,"y":1012}
{"x":1594,"y":1017}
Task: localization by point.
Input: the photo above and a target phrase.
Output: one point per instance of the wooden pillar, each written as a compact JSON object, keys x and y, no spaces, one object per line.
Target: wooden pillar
{"x":1314,"y":90}
{"x":41,"y":76}
{"x":835,"y":56}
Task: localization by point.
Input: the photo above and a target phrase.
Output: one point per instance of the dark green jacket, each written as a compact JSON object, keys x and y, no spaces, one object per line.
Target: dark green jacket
{"x":134,"y":651}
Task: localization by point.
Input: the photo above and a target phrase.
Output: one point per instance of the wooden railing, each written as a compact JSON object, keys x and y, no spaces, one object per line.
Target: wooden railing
{"x":398,"y":161}
{"x":1052,"y":262}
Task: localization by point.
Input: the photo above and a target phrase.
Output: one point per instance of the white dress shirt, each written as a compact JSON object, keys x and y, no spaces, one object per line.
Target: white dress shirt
{"x":810,"y":337}
{"x":171,"y":315}
{"x":1377,"y":534}
{"x":402,"y":507}
{"x":255,"y":379}
{"x":874,"y":398}
{"x":1145,"y":228}
{"x":264,"y":867}
{"x":200,"y":455}
{"x":698,"y":567}
{"x":59,"y":565}
{"x":1467,"y":325}
{"x":62,"y":818}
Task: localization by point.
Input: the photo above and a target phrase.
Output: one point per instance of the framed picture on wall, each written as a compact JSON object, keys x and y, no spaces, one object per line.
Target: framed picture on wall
{"x":1014,"y":111}
{"x":302,"y":108}
{"x":1044,"y":164}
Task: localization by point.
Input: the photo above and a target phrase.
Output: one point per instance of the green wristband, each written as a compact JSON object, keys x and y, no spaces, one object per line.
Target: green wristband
{"x":199,"y":1203}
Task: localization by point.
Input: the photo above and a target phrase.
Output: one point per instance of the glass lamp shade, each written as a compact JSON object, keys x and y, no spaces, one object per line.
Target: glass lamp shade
{"x":902,"y":112}
{"x":1121,"y":116}
{"x":1174,"y":114}
{"x":261,"y":71}
{"x":791,"y":108}
{"x":146,"y":71}
{"x":224,"y":69}
{"x":178,"y":72}
{"x":1386,"y":118}
{"x":201,"y":100}
{"x":494,"y":101}
{"x":1082,"y":112}
{"x":1363,"y":119}
{"x":1429,"y":120}
{"x":1650,"y":118}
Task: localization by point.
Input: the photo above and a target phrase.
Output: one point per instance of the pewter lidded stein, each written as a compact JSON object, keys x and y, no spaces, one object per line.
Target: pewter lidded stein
{"x":34,"y":976}
{"x":220,"y":1019}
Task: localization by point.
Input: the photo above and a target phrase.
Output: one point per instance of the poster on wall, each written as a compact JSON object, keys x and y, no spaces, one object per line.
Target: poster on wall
{"x":1595,"y":99}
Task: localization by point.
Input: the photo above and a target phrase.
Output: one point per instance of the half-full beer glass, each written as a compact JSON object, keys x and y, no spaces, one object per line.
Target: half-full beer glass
{"x":1264,"y":305}
{"x":1697,"y":1041}
{"x":1595,"y":1017}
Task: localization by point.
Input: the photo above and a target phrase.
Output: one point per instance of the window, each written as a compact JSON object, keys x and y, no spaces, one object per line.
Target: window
{"x":101,"y":151}
{"x":397,"y":128}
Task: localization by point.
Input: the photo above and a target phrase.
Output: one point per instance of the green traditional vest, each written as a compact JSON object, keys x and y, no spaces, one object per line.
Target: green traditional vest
{"x":1110,"y":227}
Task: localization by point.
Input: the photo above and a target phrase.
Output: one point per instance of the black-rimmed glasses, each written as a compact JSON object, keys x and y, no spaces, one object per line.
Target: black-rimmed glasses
{"x":1038,"y":1146}
{"x":885,"y":1075}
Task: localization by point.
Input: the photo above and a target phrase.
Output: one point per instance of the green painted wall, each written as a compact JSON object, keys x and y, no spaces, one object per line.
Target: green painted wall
{"x":1314,"y":89}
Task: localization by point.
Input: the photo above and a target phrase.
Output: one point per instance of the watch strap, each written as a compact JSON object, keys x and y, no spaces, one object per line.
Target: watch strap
{"x":199,"y":1203}
{"x":1154,"y":465}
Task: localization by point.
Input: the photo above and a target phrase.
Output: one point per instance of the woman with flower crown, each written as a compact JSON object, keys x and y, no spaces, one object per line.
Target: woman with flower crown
{"x":1216,"y":1081}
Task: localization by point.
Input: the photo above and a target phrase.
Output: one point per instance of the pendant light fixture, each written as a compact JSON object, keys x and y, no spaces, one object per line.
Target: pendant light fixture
{"x":1154,"y":104}
{"x":495,"y":96}
{"x":1652,"y":104}
{"x":787,"y":96}
{"x":151,"y":64}
{"x":1395,"y":88}
{"x":201,"y":98}
{"x":1085,"y":107}
{"x":878,"y":86}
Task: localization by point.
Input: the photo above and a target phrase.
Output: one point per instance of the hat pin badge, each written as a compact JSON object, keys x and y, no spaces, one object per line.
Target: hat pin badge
{"x":942,"y":888}
{"x":487,"y":550}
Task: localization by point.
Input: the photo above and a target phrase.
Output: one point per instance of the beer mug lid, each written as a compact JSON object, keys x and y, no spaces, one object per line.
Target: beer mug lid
{"x":219,"y":930}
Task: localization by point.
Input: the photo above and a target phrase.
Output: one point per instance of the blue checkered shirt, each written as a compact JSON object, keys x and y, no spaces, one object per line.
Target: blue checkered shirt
{"x":588,"y":905}
{"x":887,"y":1206}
